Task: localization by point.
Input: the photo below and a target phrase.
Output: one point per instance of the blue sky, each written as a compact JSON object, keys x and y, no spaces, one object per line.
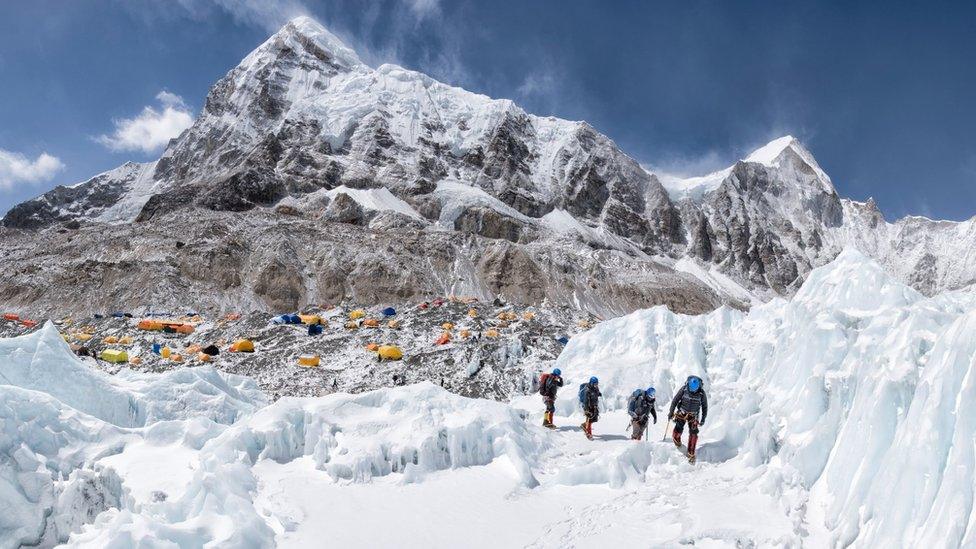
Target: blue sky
{"x":881,"y":93}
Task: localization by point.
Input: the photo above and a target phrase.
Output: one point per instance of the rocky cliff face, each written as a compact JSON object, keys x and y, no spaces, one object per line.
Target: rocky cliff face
{"x":456,"y":186}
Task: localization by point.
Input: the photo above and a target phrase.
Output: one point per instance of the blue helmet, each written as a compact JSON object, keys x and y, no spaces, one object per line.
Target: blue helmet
{"x":694,"y":383}
{"x":594,"y":380}
{"x":650,"y":392}
{"x":557,"y":372}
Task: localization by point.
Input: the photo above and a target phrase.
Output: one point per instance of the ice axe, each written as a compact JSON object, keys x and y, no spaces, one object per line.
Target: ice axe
{"x":667,"y":426}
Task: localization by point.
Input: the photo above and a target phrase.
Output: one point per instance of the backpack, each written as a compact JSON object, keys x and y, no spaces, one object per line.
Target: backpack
{"x":582,"y":394}
{"x":633,"y":400}
{"x":543,"y":381}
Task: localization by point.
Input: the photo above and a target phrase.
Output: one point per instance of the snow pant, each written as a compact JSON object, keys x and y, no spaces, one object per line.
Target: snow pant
{"x":637,"y":427}
{"x":679,"y":425}
{"x":592,"y":416}
{"x":550,"y":402}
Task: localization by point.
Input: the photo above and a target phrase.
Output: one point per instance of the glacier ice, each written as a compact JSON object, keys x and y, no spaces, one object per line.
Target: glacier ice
{"x":850,"y":407}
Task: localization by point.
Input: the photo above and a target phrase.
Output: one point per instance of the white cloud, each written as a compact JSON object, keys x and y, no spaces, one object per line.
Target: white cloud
{"x":267,"y":14}
{"x":424,"y":8}
{"x":691,"y":166}
{"x":151,"y":129}
{"x":17,"y":168}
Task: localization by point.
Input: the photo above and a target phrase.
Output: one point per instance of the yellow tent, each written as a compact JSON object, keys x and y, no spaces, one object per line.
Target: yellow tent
{"x":310,"y":319}
{"x":309,"y":361}
{"x":176,"y":358}
{"x":371,"y":323}
{"x":357,"y":314}
{"x":135,"y":360}
{"x":125,"y":340}
{"x":82,"y":336}
{"x":390,"y":352}
{"x":447,"y":326}
{"x":492,"y":333}
{"x":203,"y":357}
{"x":165,"y":352}
{"x":393,"y":324}
{"x":242,"y":346}
{"x":528,"y":315}
{"x":465,"y":334}
{"x":472,"y":313}
{"x":114,"y":355}
{"x":110,"y":340}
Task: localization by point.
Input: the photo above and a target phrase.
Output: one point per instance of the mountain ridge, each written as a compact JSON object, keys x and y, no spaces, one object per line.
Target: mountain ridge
{"x":301,"y":116}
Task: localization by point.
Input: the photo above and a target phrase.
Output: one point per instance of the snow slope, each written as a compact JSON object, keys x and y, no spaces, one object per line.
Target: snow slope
{"x":841,"y":417}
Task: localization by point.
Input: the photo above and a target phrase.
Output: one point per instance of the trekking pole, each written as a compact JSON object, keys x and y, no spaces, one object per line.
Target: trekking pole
{"x":666,"y":427}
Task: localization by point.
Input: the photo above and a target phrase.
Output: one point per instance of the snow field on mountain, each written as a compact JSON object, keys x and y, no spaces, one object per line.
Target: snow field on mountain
{"x":841,"y":417}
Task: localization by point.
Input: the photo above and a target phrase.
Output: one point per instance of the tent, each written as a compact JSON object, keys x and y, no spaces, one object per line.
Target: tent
{"x":492,"y":333}
{"x":443,"y":339}
{"x":447,"y":326}
{"x":357,"y":314}
{"x":371,"y":323}
{"x":309,"y":361}
{"x":473,"y":313}
{"x":389,"y":311}
{"x":314,"y":329}
{"x":310,"y":319}
{"x":110,"y":340}
{"x":114,"y":355}
{"x":563,"y":339}
{"x":203,"y":357}
{"x":372,"y":347}
{"x":151,"y":325}
{"x":389,"y":352}
{"x":393,"y":324}
{"x":294,"y":319}
{"x":211,"y":350}
{"x":11,"y":316}
{"x":242,"y":346}
{"x":351,"y":325}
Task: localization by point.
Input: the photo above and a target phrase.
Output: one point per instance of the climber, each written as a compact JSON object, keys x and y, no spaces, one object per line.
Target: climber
{"x":548,"y":385}
{"x":589,"y":397}
{"x":639,"y":406}
{"x":688,"y":400}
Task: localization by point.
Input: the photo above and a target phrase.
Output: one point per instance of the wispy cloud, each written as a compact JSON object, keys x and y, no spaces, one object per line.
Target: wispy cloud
{"x":152,"y":128}
{"x":267,"y":14}
{"x":682,"y":166}
{"x":16,"y":168}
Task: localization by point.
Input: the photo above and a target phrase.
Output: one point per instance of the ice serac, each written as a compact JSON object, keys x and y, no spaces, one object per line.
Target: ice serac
{"x":852,"y":397}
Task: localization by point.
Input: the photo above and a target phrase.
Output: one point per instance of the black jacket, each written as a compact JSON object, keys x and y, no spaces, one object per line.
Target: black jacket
{"x":551,"y":385}
{"x":687,"y":401}
{"x":639,"y":406}
{"x":591,"y":398}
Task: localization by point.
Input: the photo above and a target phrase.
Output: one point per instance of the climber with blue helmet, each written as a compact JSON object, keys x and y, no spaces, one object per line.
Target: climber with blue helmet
{"x":641,"y":404}
{"x":548,"y":385}
{"x":685,"y":407}
{"x":589,"y":397}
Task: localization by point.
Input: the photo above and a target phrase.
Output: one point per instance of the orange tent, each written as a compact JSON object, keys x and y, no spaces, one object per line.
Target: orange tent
{"x":445,"y":338}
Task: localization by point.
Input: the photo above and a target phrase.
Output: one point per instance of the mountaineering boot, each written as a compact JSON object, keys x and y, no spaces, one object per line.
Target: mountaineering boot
{"x":676,"y":438}
{"x":691,"y":457}
{"x":588,"y":429}
{"x":547,"y":421}
{"x":692,"y":443}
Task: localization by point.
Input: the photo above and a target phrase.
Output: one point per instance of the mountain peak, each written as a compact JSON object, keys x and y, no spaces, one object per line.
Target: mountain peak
{"x":768,"y":153}
{"x":773,"y":153}
{"x":305,"y":28}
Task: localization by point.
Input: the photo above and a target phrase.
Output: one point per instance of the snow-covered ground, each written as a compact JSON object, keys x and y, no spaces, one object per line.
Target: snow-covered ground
{"x":842,"y":417}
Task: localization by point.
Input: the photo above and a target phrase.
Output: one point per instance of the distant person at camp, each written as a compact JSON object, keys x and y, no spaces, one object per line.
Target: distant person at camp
{"x":589,"y":397}
{"x":685,"y":407}
{"x":640,"y":405}
{"x":549,"y":384}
